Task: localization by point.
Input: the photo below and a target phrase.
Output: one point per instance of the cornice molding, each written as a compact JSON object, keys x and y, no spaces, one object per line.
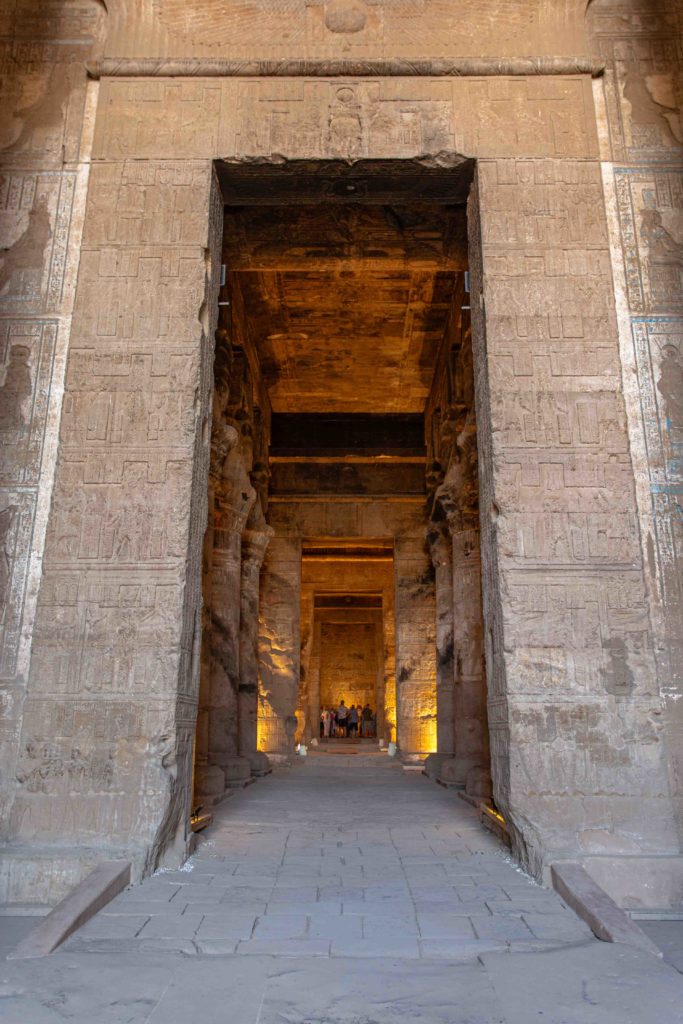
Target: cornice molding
{"x":459,"y":67}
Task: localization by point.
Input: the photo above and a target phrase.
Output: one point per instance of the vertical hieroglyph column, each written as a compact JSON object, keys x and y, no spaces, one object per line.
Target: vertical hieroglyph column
{"x":415,"y":647}
{"x":279,"y":645}
{"x":255,"y":540}
{"x":574,"y":706}
{"x":440,"y":552}
{"x":110,"y":712}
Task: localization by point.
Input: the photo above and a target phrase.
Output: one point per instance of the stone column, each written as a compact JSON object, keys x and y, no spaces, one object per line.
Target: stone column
{"x":415,"y":649}
{"x":470,"y":768}
{"x":254,"y":544}
{"x":279,"y":646}
{"x":233,"y":498}
{"x":439,"y":542}
{"x":458,"y":498}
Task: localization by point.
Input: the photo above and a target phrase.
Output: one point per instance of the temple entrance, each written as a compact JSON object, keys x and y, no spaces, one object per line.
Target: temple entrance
{"x":342,"y":556}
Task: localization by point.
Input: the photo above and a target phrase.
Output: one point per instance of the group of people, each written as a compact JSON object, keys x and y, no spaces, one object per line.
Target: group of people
{"x":345,"y":721}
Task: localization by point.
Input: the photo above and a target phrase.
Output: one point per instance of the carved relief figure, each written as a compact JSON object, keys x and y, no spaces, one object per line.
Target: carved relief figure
{"x":646,"y":110}
{"x":16,"y":388}
{"x":670,"y":385}
{"x":26,"y":253}
{"x":7,"y":516}
{"x":344,"y":124}
{"x":662,"y":246}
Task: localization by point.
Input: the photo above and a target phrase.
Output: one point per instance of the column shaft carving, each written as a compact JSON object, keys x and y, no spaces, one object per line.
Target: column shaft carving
{"x":232,"y":498}
{"x":254,"y":544}
{"x":439,"y":542}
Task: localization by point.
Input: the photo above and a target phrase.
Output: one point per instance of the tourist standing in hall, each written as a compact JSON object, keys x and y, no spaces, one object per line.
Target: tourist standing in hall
{"x":366,"y":721}
{"x":342,"y":715}
{"x":328,"y":719}
{"x":353,"y":720}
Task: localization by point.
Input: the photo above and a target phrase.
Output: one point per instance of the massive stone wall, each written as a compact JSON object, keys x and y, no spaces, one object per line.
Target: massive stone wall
{"x":45,"y":139}
{"x":574,"y":705}
{"x":641,"y":147}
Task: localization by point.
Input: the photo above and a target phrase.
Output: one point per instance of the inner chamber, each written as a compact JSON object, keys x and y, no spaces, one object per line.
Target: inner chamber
{"x":343,"y":468}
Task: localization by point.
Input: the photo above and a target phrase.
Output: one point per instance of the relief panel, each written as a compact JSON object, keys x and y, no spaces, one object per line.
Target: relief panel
{"x":650,"y":207}
{"x":27,"y":350}
{"x":35,"y":221}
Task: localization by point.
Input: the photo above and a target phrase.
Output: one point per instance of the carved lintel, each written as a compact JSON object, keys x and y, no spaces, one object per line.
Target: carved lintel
{"x":113,"y":67}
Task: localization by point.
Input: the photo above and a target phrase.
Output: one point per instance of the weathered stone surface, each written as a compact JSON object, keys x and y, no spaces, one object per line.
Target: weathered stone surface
{"x":545,"y":611}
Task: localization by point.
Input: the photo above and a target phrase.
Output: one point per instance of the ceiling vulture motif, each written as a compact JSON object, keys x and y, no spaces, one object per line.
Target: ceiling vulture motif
{"x":218,"y":21}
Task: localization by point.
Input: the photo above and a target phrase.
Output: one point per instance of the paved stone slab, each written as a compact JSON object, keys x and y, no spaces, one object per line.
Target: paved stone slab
{"x":284,"y":926}
{"x":667,"y":936}
{"x":596,"y":983}
{"x":349,"y":991}
{"x":14,"y":928}
{"x":285,"y":947}
{"x":218,"y":926}
{"x":120,"y":926}
{"x":400,"y":887}
{"x":384,"y":945}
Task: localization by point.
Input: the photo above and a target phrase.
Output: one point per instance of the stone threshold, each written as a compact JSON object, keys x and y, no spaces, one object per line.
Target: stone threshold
{"x":105,"y":882}
{"x":606,"y":920}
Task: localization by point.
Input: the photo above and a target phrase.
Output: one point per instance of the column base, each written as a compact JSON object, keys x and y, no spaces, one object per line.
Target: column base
{"x":209,"y":784}
{"x":451,"y":774}
{"x":259,"y":763}
{"x":474,"y":779}
{"x":433,"y":764}
{"x":478,"y":783}
{"x":237,"y":772}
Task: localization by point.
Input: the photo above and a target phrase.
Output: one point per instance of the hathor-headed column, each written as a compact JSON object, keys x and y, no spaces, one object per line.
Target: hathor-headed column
{"x":233,"y":499}
{"x":255,"y":539}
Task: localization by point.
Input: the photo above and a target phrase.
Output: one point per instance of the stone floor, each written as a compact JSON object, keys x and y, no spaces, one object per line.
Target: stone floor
{"x":343,"y":891}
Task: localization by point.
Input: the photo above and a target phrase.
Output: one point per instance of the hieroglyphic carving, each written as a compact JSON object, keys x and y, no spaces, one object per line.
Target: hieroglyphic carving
{"x":114,"y":618}
{"x":650,"y":205}
{"x":637,"y":41}
{"x":26,"y":355}
{"x":16,"y":523}
{"x":642,"y":97}
{"x":562,"y":522}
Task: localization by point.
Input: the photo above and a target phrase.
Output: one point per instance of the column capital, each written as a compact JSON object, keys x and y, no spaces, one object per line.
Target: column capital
{"x":254,"y":544}
{"x":439,"y":543}
{"x":457,"y":499}
{"x":234,"y":495}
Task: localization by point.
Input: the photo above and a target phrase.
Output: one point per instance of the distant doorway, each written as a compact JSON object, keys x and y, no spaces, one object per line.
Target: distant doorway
{"x":347,"y":634}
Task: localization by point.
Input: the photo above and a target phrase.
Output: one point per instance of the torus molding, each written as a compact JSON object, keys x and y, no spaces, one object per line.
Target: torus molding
{"x":113,"y":67}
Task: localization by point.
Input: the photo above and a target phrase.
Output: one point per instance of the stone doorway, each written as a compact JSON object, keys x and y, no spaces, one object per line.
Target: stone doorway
{"x":343,"y":411}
